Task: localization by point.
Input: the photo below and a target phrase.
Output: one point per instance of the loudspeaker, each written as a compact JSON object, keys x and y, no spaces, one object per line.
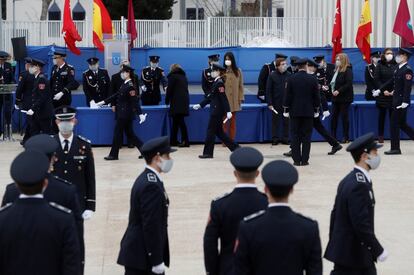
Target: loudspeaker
{"x":19,"y":48}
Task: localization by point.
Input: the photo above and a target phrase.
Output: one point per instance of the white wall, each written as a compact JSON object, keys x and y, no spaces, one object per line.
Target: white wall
{"x":383,"y":19}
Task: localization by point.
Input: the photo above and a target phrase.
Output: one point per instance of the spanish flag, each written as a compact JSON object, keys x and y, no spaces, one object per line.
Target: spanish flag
{"x":102,"y":23}
{"x":364,"y":31}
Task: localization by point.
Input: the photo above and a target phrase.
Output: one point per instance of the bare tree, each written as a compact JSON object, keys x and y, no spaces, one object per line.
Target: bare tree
{"x":45,"y":7}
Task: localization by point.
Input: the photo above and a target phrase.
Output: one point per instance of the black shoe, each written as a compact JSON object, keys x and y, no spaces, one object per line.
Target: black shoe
{"x":205,"y":156}
{"x":304,"y":163}
{"x":335,"y":149}
{"x":345,"y":141}
{"x":296,"y":163}
{"x":275,"y":142}
{"x":173,"y":143}
{"x":131,"y":146}
{"x":110,"y":158}
{"x":140,"y":157}
{"x":393,"y":152}
{"x":288,"y":154}
{"x":184,"y":144}
{"x":285,"y":142}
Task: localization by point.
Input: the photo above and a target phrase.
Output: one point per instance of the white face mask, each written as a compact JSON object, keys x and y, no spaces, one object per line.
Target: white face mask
{"x":153,"y":65}
{"x":124,"y":75}
{"x":389,"y":57}
{"x":227,"y":62}
{"x":165,"y":165}
{"x":33,"y":70}
{"x":54,"y":61}
{"x":66,"y":127}
{"x":338,"y":63}
{"x":373,"y":161}
{"x":310,"y":71}
{"x":215,"y":74}
{"x":398,"y":59}
{"x":94,"y":67}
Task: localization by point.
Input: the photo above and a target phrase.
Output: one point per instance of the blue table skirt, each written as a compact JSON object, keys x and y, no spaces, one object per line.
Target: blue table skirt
{"x":253,"y":123}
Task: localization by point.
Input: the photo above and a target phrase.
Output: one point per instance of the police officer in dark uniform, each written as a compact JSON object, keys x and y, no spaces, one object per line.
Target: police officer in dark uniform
{"x":219,"y":108}
{"x":144,"y":246}
{"x":278,"y":240}
{"x":62,"y":80}
{"x":324,"y":74}
{"x":127,"y":107}
{"x":293,"y":68}
{"x":370,"y":70}
{"x":95,"y":82}
{"x":36,"y":236}
{"x":41,"y":108}
{"x":401,"y":100}
{"x":58,"y":190}
{"x":151,"y":78}
{"x":6,"y":77}
{"x":301,"y":105}
{"x":206,"y":79}
{"x":265,"y":72}
{"x":317,"y":123}
{"x":353,"y":246}
{"x":24,"y":94}
{"x":227,"y":211}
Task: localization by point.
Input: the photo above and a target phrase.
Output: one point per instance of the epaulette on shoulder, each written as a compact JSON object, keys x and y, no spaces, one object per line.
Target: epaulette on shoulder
{"x":360,"y":177}
{"x":151,"y":177}
{"x":42,"y":75}
{"x":62,"y":180}
{"x":408,"y":67}
{"x":6,"y":206}
{"x":85,"y":71}
{"x":304,"y":217}
{"x":161,"y":68}
{"x":254,"y":215}
{"x":70,"y":66}
{"x":60,"y":207}
{"x":222,"y":196}
{"x":84,"y":139}
{"x":147,"y":67}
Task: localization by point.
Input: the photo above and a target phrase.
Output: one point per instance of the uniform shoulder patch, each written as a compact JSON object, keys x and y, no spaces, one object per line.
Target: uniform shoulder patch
{"x":84,"y":139}
{"x":6,"y":206}
{"x":254,"y":215}
{"x":62,"y":180}
{"x":360,"y":177}
{"x":222,"y":196}
{"x":60,"y":207}
{"x":152,"y":177}
{"x":409,"y":76}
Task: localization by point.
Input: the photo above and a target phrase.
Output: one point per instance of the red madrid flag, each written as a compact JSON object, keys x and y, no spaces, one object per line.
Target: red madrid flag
{"x":337,"y":32}
{"x":403,"y":26}
{"x":131,"y":28}
{"x":69,"y":31}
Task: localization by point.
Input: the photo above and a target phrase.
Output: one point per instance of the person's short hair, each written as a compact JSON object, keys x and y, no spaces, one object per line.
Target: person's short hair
{"x":279,"y":61}
{"x":301,"y":66}
{"x":148,"y":158}
{"x":357,"y":154}
{"x":32,"y":189}
{"x":280,"y":192}
{"x":174,"y":67}
{"x":247,"y":175}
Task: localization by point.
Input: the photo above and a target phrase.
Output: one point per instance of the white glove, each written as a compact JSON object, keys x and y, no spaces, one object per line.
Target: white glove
{"x":403,"y":106}
{"x":376,"y":93}
{"x":158,"y":269}
{"x":325,"y":114}
{"x":16,"y":107}
{"x":315,"y":115}
{"x":325,"y":87}
{"x":87,"y":214}
{"x":229,"y":115}
{"x":383,"y":256}
{"x":100,"y":103}
{"x":30,"y":112}
{"x":286,"y":115}
{"x":197,"y":107}
{"x":58,"y":96}
{"x":144,"y":88}
{"x":142,"y":118}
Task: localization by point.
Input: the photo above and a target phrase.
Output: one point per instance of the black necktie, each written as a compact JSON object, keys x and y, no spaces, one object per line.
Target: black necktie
{"x":66,"y":148}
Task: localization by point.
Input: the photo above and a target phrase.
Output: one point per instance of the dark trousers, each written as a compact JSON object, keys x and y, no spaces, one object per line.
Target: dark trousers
{"x":280,"y":124}
{"x":178,"y":123}
{"x":382,"y":112}
{"x":317,"y":124}
{"x":123,"y":126}
{"x":399,"y":121}
{"x":341,"y":270}
{"x":40,"y":126}
{"x":27,"y":129}
{"x":301,"y":132}
{"x":133,"y":271}
{"x":340,"y":109}
{"x":80,"y":229}
{"x":5,"y":110}
{"x":215,"y":128}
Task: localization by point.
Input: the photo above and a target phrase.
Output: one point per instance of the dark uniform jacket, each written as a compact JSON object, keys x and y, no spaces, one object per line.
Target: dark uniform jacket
{"x":40,"y":238}
{"x":275,"y":89}
{"x":6,"y":74}
{"x":78,"y":167}
{"x":126,"y":101}
{"x":278,"y":241}
{"x":41,"y":98}
{"x":324,"y":76}
{"x":177,"y":95}
{"x":324,"y":102}
{"x":145,"y":242}
{"x":370,"y":81}
{"x":403,"y":80}
{"x":219,"y":104}
{"x":344,"y":85}
{"x":24,"y":90}
{"x":225,"y":215}
{"x":266,"y":70}
{"x":116,"y":83}
{"x":207,"y":81}
{"x":352,"y":241}
{"x":384,"y":79}
{"x":152,"y":78}
{"x":302,"y":97}
{"x":63,"y":80}
{"x":96,"y":85}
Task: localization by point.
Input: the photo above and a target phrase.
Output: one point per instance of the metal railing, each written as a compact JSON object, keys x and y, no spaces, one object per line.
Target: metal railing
{"x":212,"y":32}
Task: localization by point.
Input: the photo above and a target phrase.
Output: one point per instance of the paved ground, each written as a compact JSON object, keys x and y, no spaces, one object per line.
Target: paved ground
{"x":193,"y":183}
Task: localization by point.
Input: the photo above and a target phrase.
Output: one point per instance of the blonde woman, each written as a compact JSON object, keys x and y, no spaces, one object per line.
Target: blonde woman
{"x":342,"y":95}
{"x":234,"y":91}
